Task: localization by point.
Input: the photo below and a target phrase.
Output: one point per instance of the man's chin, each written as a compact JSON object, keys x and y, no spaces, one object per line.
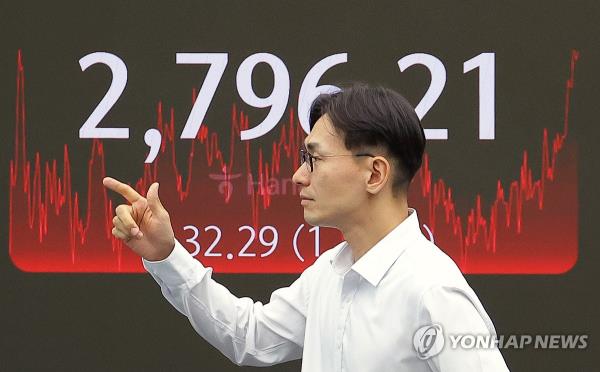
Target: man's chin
{"x":315,"y":221}
{"x":310,"y":219}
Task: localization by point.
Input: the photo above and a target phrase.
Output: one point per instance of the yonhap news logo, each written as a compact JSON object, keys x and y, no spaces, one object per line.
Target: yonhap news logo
{"x":429,"y":340}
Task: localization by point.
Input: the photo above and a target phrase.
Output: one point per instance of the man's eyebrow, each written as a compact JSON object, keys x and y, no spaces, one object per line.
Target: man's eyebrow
{"x":312,"y":146}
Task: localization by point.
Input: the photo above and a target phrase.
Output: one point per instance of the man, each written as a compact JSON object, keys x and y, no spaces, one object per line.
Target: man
{"x":385,"y":299}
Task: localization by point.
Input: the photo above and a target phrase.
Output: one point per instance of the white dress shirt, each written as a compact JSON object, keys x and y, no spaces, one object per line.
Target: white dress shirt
{"x":339,"y":315}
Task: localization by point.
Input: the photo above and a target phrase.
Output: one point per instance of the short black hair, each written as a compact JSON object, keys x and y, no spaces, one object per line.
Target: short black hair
{"x":376,"y":116}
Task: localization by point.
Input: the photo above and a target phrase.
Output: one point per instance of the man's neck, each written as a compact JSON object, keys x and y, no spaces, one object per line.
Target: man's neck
{"x":364,"y":233}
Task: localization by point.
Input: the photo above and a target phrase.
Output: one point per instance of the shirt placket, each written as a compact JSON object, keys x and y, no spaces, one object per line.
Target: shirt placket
{"x":349,"y":288}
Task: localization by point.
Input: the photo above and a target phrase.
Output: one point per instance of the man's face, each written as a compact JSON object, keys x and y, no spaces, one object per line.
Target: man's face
{"x":336,"y":185}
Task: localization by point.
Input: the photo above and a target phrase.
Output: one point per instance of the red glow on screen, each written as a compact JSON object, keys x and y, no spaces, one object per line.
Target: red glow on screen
{"x":530,"y":228}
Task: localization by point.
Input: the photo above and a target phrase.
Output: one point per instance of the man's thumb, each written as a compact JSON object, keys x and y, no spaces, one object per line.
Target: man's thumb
{"x":153,"y":200}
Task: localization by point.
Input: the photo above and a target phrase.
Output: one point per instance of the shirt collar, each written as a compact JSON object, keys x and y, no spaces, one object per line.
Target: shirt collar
{"x":377,"y":261}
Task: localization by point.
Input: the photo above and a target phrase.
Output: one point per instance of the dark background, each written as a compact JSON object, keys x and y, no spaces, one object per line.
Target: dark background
{"x":76,"y":322}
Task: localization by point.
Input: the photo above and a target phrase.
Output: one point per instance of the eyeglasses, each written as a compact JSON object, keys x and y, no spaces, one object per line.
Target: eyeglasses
{"x":308,"y":159}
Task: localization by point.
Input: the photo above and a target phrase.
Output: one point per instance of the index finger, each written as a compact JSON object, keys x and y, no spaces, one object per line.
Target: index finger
{"x":122,"y":188}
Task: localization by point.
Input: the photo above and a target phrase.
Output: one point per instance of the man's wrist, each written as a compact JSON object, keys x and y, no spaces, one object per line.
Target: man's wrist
{"x":161,"y":256}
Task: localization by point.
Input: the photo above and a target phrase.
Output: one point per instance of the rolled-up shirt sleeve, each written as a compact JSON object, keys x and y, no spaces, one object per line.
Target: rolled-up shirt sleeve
{"x":246,"y":332}
{"x":459,"y":313}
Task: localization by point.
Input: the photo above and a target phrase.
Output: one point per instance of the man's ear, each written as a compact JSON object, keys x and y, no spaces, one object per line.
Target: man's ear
{"x":379,"y":174}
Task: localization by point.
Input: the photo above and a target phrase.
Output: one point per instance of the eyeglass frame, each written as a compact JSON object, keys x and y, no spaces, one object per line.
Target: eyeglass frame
{"x":305,"y":154}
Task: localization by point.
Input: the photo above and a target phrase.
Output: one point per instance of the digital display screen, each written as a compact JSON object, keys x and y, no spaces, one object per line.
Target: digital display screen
{"x":227,"y":183}
{"x":210,"y":99}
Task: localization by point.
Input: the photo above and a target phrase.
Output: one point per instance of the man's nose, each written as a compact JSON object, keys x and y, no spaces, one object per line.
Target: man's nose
{"x":301,"y":176}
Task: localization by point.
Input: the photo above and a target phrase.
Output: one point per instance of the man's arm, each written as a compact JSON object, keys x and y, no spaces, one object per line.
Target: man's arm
{"x":459,"y":313}
{"x":246,"y":332}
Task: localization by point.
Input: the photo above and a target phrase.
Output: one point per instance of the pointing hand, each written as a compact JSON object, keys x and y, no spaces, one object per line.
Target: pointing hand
{"x":144,"y":224}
